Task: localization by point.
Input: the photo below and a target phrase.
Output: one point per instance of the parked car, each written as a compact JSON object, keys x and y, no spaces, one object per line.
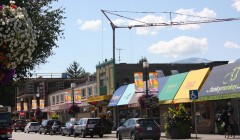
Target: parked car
{"x":68,"y":129}
{"x":46,"y":126}
{"x":139,"y":128}
{"x":31,"y":127}
{"x":19,"y":125}
{"x":88,"y":126}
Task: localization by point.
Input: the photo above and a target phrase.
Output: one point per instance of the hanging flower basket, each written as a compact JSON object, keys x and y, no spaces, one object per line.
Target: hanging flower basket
{"x":18,"y":39}
{"x":148,"y":101}
{"x":74,"y":109}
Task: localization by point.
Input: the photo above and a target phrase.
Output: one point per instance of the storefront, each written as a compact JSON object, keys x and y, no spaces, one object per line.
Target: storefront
{"x":222,"y":89}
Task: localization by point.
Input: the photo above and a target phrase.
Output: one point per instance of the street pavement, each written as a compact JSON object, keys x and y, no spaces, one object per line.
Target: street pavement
{"x":35,"y":136}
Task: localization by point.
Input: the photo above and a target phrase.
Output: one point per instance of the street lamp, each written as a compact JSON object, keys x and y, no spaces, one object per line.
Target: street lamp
{"x":73,"y":86}
{"x":37,"y":96}
{"x":146,"y":66}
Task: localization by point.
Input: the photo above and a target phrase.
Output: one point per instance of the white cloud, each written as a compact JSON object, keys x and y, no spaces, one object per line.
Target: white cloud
{"x":182,"y":17}
{"x":93,"y":25}
{"x":229,"y":44}
{"x":182,"y":45}
{"x":236,"y":5}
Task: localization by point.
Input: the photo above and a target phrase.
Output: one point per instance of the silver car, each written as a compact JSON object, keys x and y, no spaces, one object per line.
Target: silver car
{"x":31,"y":127}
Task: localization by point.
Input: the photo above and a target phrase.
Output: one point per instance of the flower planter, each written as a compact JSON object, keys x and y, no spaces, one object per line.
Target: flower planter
{"x":178,"y":133}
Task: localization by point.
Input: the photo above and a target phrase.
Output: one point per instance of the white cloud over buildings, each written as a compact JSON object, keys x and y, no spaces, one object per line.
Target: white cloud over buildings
{"x":236,"y":5}
{"x":229,"y":44}
{"x":93,"y":25}
{"x":182,"y":45}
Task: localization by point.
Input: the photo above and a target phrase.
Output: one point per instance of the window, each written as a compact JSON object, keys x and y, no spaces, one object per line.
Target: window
{"x":61,"y":98}
{"x":174,"y":72}
{"x":57,"y":99}
{"x":83,"y":93}
{"x":160,"y":73}
{"x":95,"y":91}
{"x":53,"y":100}
{"x":89,"y":91}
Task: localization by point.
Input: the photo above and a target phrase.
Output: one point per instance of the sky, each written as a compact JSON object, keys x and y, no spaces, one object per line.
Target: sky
{"x":89,"y":36}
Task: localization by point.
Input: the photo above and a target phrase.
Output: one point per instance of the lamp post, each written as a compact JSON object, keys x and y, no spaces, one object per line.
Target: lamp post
{"x":37,"y":96}
{"x":146,"y":66}
{"x":73,"y":86}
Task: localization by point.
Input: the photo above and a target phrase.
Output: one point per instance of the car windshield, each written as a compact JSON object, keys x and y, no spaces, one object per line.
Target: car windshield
{"x":94,"y":121}
{"x":146,"y":122}
{"x":5,"y":119}
{"x":20,"y":121}
{"x":34,"y":124}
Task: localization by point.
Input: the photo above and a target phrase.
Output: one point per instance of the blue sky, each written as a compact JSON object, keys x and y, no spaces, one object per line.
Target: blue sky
{"x":88,"y":34}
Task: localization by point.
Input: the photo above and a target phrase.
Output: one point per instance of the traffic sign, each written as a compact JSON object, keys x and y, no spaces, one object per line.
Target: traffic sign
{"x":193,"y":94}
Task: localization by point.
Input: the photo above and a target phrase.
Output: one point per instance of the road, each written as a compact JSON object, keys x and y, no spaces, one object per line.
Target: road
{"x":36,"y":136}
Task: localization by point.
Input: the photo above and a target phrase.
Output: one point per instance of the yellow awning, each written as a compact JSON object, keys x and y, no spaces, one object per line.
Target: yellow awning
{"x":193,"y":81}
{"x":99,"y":98}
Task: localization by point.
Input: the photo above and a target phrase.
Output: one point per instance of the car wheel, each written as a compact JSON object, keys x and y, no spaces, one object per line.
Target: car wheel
{"x":40,"y":132}
{"x":101,"y":135}
{"x":156,"y":138}
{"x":83,"y":135}
{"x":27,"y":131}
{"x":119,"y":136}
{"x":22,"y":130}
{"x":133,"y":137}
{"x":15,"y":130}
{"x":62,"y":133}
{"x":91,"y":135}
{"x":68,"y":133}
{"x":45,"y":131}
{"x":74,"y":134}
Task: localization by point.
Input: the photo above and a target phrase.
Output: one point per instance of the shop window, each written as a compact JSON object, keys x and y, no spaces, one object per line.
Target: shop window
{"x":203,"y":113}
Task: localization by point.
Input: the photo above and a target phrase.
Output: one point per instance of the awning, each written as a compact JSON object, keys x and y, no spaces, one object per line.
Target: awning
{"x":222,"y":83}
{"x":171,"y":87}
{"x":161,"y":82}
{"x":127,"y":95}
{"x":193,"y":81}
{"x":117,"y":95}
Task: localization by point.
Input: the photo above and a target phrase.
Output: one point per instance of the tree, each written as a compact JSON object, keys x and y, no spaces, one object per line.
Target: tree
{"x":143,"y":59}
{"x":76,"y":71}
{"x":47,"y":21}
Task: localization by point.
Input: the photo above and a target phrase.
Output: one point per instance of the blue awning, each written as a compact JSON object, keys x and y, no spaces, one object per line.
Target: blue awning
{"x":117,"y":95}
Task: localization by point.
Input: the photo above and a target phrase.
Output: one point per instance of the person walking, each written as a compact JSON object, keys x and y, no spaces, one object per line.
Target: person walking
{"x":225,"y":120}
{"x":232,"y":122}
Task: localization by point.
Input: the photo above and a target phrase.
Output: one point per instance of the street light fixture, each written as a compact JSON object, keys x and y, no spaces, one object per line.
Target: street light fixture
{"x":146,"y":66}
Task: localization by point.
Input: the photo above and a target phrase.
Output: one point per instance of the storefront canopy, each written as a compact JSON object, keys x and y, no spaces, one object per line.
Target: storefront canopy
{"x":222,"y":83}
{"x":127,"y":95}
{"x":193,"y":81}
{"x":161,"y":82}
{"x":171,"y":87}
{"x":117,"y":95}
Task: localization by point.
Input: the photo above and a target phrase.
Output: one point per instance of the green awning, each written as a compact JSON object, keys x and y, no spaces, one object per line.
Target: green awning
{"x":171,"y":88}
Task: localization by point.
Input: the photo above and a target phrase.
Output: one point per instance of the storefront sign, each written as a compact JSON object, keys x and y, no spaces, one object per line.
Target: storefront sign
{"x":99,"y":98}
{"x":18,"y":106}
{"x":42,"y":105}
{"x":222,"y":80}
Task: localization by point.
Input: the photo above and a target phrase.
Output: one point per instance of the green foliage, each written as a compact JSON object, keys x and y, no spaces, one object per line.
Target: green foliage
{"x":143,"y":59}
{"x":76,"y":71}
{"x":55,"y":116}
{"x":177,"y":118}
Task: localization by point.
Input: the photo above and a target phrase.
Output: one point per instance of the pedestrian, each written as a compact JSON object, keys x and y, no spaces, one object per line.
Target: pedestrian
{"x":225,"y":122}
{"x":232,"y":122}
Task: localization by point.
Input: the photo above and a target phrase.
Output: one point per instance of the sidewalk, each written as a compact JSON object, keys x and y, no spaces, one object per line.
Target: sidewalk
{"x":205,"y":137}
{"x":199,"y":136}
